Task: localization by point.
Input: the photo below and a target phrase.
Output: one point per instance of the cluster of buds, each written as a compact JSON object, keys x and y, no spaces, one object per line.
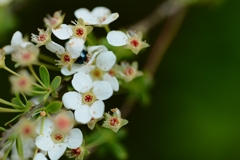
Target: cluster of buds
{"x":47,"y":120}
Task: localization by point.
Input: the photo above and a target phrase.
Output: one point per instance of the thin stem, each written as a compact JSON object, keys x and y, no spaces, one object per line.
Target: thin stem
{"x":46,"y":58}
{"x":39,"y":92}
{"x":41,"y":130}
{"x":35,"y":76}
{"x":47,"y":65}
{"x":9,"y":103}
{"x":11,"y":71}
{"x":106,"y":27}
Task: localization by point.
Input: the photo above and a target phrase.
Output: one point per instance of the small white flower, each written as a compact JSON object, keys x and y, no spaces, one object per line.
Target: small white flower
{"x":55,"y":140}
{"x":132,"y":40}
{"x":16,"y":42}
{"x":40,"y":156}
{"x":55,"y":20}
{"x":99,"y":16}
{"x":79,"y":30}
{"x":87,"y":102}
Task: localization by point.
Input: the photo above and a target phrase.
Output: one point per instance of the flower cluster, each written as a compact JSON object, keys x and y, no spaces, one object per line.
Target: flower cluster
{"x":52,"y":109}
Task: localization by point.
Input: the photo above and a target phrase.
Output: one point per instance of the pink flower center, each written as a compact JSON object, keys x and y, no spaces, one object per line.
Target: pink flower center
{"x":62,"y":123}
{"x":76,"y":151}
{"x":66,"y":58}
{"x":26,"y":56}
{"x":42,"y":37}
{"x":79,"y":32}
{"x":27,"y":130}
{"x":114,"y":122}
{"x":128,"y":71}
{"x":53,"y":21}
{"x":58,"y":136}
{"x":134,"y":42}
{"x":22,"y":82}
{"x":88,"y":98}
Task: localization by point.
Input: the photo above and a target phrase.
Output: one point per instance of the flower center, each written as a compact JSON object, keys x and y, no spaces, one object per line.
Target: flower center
{"x":22,"y":82}
{"x":134,"y":42}
{"x":66,"y":58}
{"x":76,"y":151}
{"x":128,"y":71}
{"x":42,"y":37}
{"x":88,"y":98}
{"x":57,"y":137}
{"x":79,"y":32}
{"x":114,"y":122}
{"x":26,"y":56}
{"x":96,"y":73}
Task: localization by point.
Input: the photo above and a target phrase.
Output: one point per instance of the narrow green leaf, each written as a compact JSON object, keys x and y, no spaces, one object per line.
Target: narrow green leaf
{"x":56,"y":82}
{"x":15,"y":101}
{"x":12,"y":119}
{"x":54,"y":94}
{"x":8,"y":150}
{"x":44,"y":75}
{"x":9,"y":110}
{"x":43,"y":97}
{"x":54,"y":107}
{"x":20,"y":147}
{"x":2,"y":129}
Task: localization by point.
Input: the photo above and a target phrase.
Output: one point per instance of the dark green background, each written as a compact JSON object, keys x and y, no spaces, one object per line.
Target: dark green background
{"x":195,"y":107}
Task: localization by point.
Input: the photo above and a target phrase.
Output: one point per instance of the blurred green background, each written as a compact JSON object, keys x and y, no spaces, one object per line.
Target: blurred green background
{"x":195,"y":107}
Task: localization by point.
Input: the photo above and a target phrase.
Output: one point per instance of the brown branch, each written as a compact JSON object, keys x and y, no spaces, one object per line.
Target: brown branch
{"x":160,"y":47}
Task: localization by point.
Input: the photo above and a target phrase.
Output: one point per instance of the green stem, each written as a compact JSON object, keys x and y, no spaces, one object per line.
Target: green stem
{"x":47,"y":58}
{"x":11,"y":71}
{"x":39,"y":92}
{"x":47,"y":65}
{"x":106,"y":27}
{"x":36,"y":77}
{"x":12,"y":119}
{"x":9,"y":103}
{"x":41,"y":130}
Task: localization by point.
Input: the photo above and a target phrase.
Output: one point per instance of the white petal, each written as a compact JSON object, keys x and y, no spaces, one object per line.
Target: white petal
{"x":47,"y":128}
{"x":111,"y":18}
{"x":40,"y":156}
{"x":82,"y":114}
{"x":9,"y":49}
{"x":101,"y":11}
{"x":82,"y":82}
{"x":112,"y":80}
{"x":74,"y":139}
{"x":54,"y":47}
{"x":100,"y":48}
{"x":24,"y":44}
{"x":63,"y":32}
{"x":117,"y":38}
{"x":97,"y":109}
{"x":86,"y":15}
{"x":57,"y":151}
{"x":106,"y":60}
{"x":74,"y":69}
{"x":102,"y":90}
{"x":44,"y":142}
{"x":75,"y":47}
{"x":16,"y":39}
{"x":72,"y":100}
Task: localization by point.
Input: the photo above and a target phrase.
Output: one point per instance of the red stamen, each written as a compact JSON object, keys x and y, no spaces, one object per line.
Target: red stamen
{"x":79,"y":32}
{"x":134,"y":42}
{"x":88,"y":98}
{"x":114,"y":122}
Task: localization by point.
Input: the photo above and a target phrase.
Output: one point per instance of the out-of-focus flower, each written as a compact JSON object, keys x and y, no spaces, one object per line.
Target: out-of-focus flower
{"x":114,"y":121}
{"x":22,"y":83}
{"x":87,"y":102}
{"x":42,"y":38}
{"x":16,"y":42}
{"x":128,"y":72}
{"x":100,"y":16}
{"x":26,"y":56}
{"x":91,"y":124}
{"x":132,"y":40}
{"x":54,"y":21}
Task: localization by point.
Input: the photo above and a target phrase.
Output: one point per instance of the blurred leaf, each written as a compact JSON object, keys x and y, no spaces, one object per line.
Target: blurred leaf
{"x":19,"y":147}
{"x":56,"y":82}
{"x":54,"y":107}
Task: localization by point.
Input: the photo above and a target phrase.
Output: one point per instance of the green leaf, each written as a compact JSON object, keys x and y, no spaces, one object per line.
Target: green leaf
{"x":56,"y":82}
{"x":54,"y":94}
{"x":43,"y":97}
{"x":2,"y":129}
{"x":15,"y":101}
{"x":44,"y":75}
{"x":7,"y":151}
{"x":20,"y":147}
{"x":54,"y":107}
{"x":9,"y":110}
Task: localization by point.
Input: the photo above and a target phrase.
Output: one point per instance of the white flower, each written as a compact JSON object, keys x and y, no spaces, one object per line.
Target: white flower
{"x":55,"y":140}
{"x":132,"y":40}
{"x":55,"y":20}
{"x":87,"y":102}
{"x":79,"y":30}
{"x":99,"y":16}
{"x":16,"y":42}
